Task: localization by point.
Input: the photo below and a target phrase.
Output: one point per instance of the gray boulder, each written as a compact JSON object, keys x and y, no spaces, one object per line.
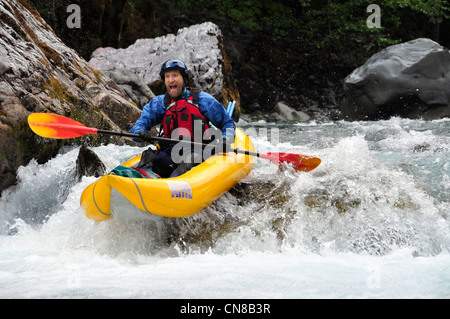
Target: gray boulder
{"x":134,"y":85}
{"x":199,"y":46}
{"x":285,"y":113}
{"x":410,"y":80}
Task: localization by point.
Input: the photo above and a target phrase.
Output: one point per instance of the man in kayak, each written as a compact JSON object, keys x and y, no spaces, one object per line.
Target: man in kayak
{"x":184,"y":113}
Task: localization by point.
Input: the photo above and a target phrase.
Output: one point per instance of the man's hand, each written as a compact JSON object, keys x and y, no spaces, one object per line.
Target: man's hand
{"x":145,"y":136}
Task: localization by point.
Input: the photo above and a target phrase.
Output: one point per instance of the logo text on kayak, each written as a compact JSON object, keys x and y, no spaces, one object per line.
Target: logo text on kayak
{"x":180,"y":190}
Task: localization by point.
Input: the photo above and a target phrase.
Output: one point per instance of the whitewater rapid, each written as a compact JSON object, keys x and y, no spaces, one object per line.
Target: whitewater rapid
{"x":371,"y":222}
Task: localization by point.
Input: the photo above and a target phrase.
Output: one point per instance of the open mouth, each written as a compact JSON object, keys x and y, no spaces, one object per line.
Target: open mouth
{"x":173,"y":88}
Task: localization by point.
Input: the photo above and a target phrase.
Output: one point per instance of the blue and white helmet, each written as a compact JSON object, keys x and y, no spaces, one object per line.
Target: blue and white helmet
{"x":175,"y":65}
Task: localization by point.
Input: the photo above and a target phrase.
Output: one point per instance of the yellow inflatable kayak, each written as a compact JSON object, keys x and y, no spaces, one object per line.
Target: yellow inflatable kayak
{"x":135,"y":199}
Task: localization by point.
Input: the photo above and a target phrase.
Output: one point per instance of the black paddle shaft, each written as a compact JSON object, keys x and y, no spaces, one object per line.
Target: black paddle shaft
{"x":163,"y":139}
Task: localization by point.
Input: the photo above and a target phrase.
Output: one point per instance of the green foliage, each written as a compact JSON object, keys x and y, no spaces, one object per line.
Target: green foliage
{"x":323,"y":24}
{"x":252,"y":15}
{"x":435,"y":10}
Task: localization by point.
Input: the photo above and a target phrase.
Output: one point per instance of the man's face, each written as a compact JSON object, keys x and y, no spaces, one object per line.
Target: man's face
{"x":174,"y":83}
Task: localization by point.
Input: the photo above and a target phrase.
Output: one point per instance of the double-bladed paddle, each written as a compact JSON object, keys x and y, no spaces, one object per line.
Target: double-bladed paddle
{"x":57,"y":126}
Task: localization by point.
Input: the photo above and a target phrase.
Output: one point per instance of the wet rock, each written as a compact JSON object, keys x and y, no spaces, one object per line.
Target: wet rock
{"x":263,"y":192}
{"x":285,"y":113}
{"x":88,"y":164}
{"x":275,"y":117}
{"x":410,"y":80}
{"x":133,"y":85}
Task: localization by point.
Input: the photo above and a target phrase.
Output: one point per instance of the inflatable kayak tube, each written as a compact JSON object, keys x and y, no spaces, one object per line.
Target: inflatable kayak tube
{"x":137,"y":199}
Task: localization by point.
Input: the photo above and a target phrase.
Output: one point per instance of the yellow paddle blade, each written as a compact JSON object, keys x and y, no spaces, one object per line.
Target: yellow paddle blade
{"x":57,"y":126}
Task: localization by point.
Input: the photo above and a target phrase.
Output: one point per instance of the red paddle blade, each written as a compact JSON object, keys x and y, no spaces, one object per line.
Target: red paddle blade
{"x":300,"y":162}
{"x":57,"y":126}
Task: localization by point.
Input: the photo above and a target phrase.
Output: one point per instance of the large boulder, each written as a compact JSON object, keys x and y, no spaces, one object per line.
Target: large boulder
{"x":410,"y":80}
{"x":39,"y":73}
{"x":134,"y":85}
{"x":199,"y":46}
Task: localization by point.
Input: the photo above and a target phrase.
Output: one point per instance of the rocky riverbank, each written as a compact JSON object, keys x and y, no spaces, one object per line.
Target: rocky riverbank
{"x":39,"y":73}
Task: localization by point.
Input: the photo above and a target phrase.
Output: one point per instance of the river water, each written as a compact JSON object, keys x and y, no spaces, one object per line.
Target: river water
{"x":371,"y":222}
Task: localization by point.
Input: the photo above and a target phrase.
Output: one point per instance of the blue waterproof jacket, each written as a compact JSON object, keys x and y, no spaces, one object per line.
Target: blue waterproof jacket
{"x":154,"y":111}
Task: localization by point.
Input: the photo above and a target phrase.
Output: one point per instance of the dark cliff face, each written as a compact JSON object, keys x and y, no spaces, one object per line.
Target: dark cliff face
{"x":39,"y":73}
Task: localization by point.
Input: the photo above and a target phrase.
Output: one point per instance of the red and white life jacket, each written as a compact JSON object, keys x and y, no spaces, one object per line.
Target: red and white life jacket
{"x":184,"y":114}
